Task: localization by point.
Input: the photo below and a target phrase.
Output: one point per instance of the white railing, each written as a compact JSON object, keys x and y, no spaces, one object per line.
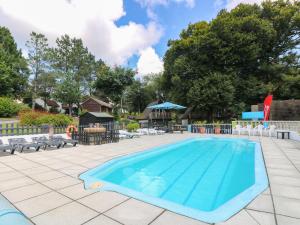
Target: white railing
{"x":280,"y":125}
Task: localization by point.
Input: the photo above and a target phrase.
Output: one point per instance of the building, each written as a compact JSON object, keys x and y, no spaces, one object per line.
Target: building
{"x":49,"y":105}
{"x":95,"y":117}
{"x":92,"y":104}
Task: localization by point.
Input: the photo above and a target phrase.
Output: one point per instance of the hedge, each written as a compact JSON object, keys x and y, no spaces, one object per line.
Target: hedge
{"x":42,"y":118}
{"x":9,"y":108}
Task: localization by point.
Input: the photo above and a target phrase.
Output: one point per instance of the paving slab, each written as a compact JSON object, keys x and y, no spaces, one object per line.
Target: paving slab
{"x":175,"y":219}
{"x":69,"y":214}
{"x":242,"y":218}
{"x":61,"y":182}
{"x":103,"y":201}
{"x":102,"y":220}
{"x":284,"y":220}
{"x":76,"y":191}
{"x":262,"y":203}
{"x":133,"y":212}
{"x":43,"y":203}
{"x":26,"y":192}
{"x":262,"y":217}
{"x":287,"y":206}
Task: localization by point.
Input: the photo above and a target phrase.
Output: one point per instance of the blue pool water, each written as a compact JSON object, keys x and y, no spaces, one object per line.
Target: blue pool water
{"x":208,"y":179}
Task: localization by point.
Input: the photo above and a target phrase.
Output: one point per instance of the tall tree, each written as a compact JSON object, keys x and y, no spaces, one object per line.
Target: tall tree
{"x":13,"y":67}
{"x":255,"y":44}
{"x":66,"y":91}
{"x":37,"y":59}
{"x":70,"y":58}
{"x":113,"y":81}
{"x":45,"y":84}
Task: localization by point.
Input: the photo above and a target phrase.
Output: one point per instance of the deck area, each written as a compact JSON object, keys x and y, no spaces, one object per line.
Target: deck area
{"x":45,"y":186}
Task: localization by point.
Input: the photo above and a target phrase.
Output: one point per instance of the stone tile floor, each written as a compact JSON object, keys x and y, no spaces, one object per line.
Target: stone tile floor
{"x":45,"y":187}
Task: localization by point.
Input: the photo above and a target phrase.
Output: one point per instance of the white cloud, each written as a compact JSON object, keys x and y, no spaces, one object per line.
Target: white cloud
{"x":233,"y":3}
{"x":91,"y":20}
{"x":150,"y":4}
{"x":149,"y":62}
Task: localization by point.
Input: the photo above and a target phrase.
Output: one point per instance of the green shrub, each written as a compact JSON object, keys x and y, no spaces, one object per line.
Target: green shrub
{"x":132,"y":127}
{"x":9,"y":108}
{"x":42,"y":118}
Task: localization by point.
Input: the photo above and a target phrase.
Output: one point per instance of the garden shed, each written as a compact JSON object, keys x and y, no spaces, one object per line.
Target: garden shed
{"x":95,"y":117}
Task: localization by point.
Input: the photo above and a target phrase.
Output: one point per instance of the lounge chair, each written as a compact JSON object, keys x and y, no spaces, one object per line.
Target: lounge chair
{"x":5,"y":147}
{"x":21,"y":144}
{"x":127,"y":134}
{"x":64,"y":141}
{"x":47,"y":142}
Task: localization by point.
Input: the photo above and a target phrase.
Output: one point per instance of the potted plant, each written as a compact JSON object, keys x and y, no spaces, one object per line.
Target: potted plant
{"x":201,"y":127}
{"x":217,"y":127}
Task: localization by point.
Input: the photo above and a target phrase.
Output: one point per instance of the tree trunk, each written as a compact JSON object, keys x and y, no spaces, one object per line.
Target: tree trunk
{"x":70,"y":109}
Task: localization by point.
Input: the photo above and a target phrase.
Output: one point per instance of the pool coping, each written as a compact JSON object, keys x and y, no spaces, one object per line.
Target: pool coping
{"x":222,"y":213}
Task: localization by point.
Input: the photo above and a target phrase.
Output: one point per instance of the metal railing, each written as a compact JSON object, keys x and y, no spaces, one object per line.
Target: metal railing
{"x":13,"y":129}
{"x":110,"y":135}
{"x":212,"y":128}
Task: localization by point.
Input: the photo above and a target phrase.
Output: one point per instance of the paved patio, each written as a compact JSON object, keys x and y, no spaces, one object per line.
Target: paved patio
{"x":45,"y":187}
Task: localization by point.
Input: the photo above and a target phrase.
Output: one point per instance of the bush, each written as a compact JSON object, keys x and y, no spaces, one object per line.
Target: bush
{"x":9,"y":108}
{"x":42,"y":118}
{"x":132,"y":126}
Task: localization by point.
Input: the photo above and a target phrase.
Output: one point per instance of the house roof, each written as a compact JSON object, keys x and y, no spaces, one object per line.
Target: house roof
{"x":52,"y":103}
{"x":100,"y":102}
{"x":100,"y":114}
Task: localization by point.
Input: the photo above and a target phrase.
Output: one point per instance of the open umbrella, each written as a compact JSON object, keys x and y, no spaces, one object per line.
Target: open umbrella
{"x":167,"y":105}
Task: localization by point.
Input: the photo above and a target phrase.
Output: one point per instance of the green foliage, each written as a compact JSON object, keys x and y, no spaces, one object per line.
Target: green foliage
{"x":211,"y":93}
{"x":132,"y":126}
{"x":13,"y":68}
{"x":37,"y":59}
{"x":113,"y":81}
{"x":9,"y":108}
{"x":252,"y":46}
{"x":66,"y":91}
{"x":41,"y":118}
{"x":200,"y":122}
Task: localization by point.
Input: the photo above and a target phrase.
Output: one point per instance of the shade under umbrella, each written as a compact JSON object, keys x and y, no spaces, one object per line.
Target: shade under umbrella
{"x":167,"y":105}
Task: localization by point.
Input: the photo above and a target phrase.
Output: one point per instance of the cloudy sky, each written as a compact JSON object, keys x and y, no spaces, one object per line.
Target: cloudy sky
{"x":121,"y":32}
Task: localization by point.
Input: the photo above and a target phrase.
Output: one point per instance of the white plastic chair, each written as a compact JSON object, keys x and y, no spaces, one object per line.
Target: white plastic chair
{"x":272,"y":130}
{"x":259,"y":129}
{"x":249,"y":129}
{"x":237,"y":129}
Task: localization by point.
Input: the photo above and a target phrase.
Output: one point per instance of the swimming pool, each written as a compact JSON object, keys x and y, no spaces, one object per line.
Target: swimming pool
{"x":208,"y":179}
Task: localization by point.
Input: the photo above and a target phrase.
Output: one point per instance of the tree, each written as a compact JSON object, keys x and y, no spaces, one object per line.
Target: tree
{"x":45,"y":84}
{"x":13,"y":67}
{"x":70,"y":58}
{"x":113,"y":81}
{"x":136,"y":97}
{"x":213,"y":93}
{"x":254,"y":44}
{"x":37,"y":59}
{"x":66,"y":91}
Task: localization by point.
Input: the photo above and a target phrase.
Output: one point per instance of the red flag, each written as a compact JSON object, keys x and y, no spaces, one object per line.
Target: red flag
{"x":267,"y":107}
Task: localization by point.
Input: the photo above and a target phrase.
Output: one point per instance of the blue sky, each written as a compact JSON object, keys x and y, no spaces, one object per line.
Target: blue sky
{"x":172,"y":17}
{"x":133,"y":33}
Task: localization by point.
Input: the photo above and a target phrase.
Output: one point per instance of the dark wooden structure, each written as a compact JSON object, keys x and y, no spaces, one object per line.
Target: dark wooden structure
{"x":92,"y":104}
{"x":89,"y":132}
{"x":95,"y":117}
{"x":284,"y":109}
